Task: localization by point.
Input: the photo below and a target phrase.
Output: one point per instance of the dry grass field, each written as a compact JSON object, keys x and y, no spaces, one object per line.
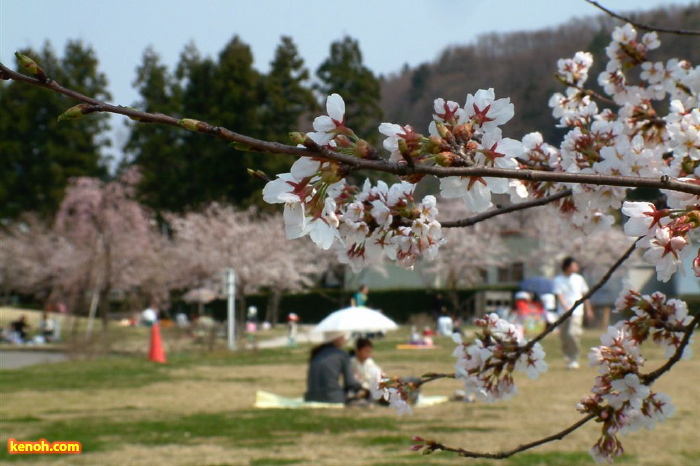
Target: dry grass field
{"x":198,"y":410}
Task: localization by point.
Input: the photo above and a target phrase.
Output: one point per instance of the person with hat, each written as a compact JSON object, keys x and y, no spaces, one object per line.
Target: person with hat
{"x":327,"y":364}
{"x":292,"y":329}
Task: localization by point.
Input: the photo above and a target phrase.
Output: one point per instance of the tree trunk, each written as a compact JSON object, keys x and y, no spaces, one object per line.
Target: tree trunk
{"x":240,"y":311}
{"x":273,"y":306}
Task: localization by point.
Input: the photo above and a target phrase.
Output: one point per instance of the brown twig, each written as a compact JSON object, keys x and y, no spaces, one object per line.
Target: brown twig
{"x":432,"y":376}
{"x":506,"y":454}
{"x":466,"y":222}
{"x":592,"y":93}
{"x":649,"y":378}
{"x":643,"y":26}
{"x":663,"y":182}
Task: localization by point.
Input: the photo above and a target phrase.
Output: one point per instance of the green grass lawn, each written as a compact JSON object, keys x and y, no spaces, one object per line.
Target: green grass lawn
{"x":197,"y":409}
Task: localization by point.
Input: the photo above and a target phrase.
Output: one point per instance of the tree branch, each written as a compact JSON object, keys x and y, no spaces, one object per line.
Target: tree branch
{"x":649,"y":378}
{"x":663,"y":182}
{"x":430,"y":377}
{"x":467,"y":222}
{"x":643,"y":26}
{"x":506,"y":454}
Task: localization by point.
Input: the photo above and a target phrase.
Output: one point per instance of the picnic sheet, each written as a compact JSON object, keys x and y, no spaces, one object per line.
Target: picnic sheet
{"x":411,"y":347}
{"x":266,"y":400}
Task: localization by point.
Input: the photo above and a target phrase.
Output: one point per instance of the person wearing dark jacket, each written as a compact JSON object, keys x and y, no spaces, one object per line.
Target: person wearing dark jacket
{"x":328,"y":363}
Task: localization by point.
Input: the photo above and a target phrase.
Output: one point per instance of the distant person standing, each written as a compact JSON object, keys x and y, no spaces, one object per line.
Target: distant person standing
{"x":360,"y":298}
{"x":292,"y":329}
{"x":569,"y":287}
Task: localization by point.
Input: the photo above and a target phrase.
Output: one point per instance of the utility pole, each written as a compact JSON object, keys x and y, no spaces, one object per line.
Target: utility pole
{"x":230,"y":288}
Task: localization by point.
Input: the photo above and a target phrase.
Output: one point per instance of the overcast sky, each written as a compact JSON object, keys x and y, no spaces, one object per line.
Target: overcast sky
{"x":391,"y":32}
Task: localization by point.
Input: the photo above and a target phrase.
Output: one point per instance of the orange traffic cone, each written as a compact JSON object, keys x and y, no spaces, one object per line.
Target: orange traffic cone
{"x":156,"y":354}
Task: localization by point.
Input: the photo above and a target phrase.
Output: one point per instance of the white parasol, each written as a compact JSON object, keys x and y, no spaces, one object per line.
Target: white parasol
{"x":355,"y":319}
{"x":199,"y":295}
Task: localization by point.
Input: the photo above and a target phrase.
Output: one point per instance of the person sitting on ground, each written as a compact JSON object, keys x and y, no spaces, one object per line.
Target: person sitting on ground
{"x":19,"y":328}
{"x":364,"y":368}
{"x":47,"y":327}
{"x":445,"y":326}
{"x":327,"y":363}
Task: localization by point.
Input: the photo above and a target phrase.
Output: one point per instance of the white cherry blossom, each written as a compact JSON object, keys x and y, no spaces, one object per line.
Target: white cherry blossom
{"x":485,"y":111}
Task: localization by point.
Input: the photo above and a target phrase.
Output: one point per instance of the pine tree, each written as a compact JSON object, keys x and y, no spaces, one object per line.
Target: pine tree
{"x":39,"y":153}
{"x":227,"y":93}
{"x":288,"y":105}
{"x":183,"y":170}
{"x":344,"y":73}
{"x":288,"y":94}
{"x":155,"y":148}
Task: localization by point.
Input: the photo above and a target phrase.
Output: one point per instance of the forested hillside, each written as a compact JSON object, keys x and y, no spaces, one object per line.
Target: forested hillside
{"x":521,"y":66}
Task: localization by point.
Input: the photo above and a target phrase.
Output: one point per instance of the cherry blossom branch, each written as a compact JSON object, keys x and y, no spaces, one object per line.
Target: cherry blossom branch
{"x":255,"y":145}
{"x":591,"y":93}
{"x":466,"y":222}
{"x":433,"y":446}
{"x":431,"y":376}
{"x":640,"y":25}
{"x":647,"y":379}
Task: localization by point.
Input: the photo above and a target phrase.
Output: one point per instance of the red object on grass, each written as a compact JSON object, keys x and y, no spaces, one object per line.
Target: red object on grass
{"x":156,"y":354}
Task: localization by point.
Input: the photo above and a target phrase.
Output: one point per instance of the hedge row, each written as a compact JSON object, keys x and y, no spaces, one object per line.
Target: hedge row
{"x":312,"y":307}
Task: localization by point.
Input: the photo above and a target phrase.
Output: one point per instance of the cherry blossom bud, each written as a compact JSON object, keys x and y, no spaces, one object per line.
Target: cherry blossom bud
{"x":297,"y":137}
{"x":413,"y":178}
{"x":464,"y":132}
{"x":696,"y":265}
{"x":259,"y":174}
{"x":342,"y":141}
{"x":364,"y":150}
{"x":77,"y":112}
{"x":445,"y":159}
{"x":137,"y":118}
{"x":332,"y":173}
{"x":403,"y":146}
{"x":241,"y":146}
{"x":435,"y":141}
{"x":442,"y":130}
{"x":32,"y":66}
{"x":471,"y":147}
{"x":192,"y":125}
